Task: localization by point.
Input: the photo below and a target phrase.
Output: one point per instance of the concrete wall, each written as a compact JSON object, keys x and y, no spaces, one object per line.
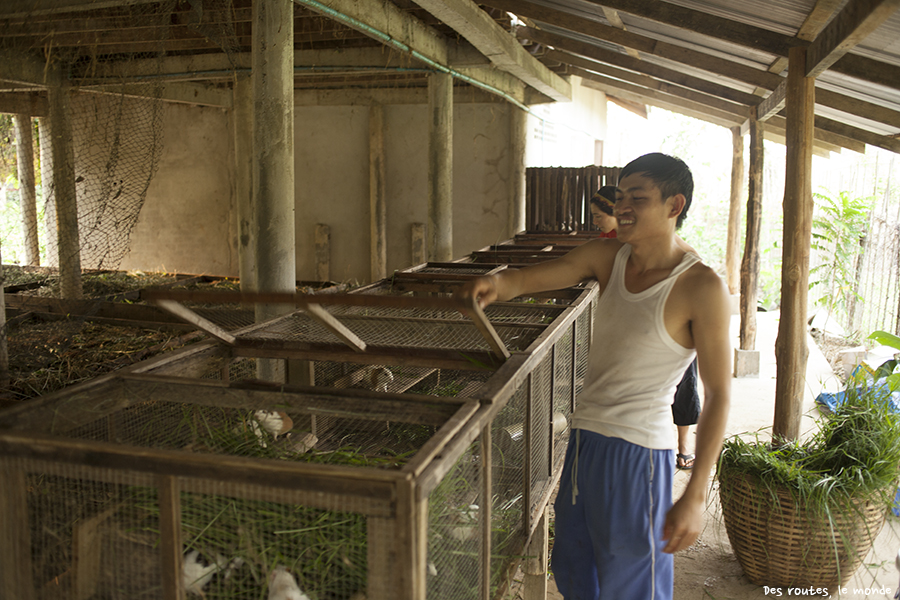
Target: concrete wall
{"x":187,"y":224}
{"x":188,"y":221}
{"x":332,"y":178}
{"x":565,"y":134}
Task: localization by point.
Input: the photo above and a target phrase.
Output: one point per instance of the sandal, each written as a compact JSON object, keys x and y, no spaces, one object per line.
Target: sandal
{"x":684,"y":462}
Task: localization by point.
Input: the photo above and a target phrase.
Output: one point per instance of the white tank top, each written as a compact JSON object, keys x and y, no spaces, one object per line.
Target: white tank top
{"x":630,"y":387}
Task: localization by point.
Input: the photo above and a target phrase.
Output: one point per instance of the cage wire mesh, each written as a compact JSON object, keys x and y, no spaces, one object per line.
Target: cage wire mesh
{"x":508,"y":459}
{"x":454,"y":531}
{"x":541,"y":422}
{"x":106,"y":545}
{"x":111,"y":98}
{"x":235,"y":533}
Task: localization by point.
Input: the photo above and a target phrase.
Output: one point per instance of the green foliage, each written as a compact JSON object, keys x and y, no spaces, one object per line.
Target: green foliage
{"x":836,"y":234}
{"x":855,"y":454}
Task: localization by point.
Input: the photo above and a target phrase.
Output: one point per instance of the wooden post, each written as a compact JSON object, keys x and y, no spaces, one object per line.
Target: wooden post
{"x":4,"y":345}
{"x":536,"y":558}
{"x":418,"y":244}
{"x":16,"y":574}
{"x":790,"y":346}
{"x":487,"y":510}
{"x":27,"y":192}
{"x":323,"y":252}
{"x":732,"y":247}
{"x":247,"y":227}
{"x":440,"y":167}
{"x":170,"y":537}
{"x":750,"y":261}
{"x":64,"y":193}
{"x":518,"y":134}
{"x":377,"y":200}
{"x":45,"y":136}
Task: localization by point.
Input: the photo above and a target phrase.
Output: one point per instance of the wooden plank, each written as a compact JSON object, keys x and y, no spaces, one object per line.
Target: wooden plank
{"x":626,"y":63}
{"x":322,"y":242}
{"x":665,"y":91}
{"x":470,"y":360}
{"x":790,"y":346}
{"x":679,"y":54}
{"x":861,"y":135}
{"x":380,"y":553}
{"x":487,"y":330}
{"x":537,"y":558}
{"x":868,"y":69}
{"x":408,"y":580}
{"x":853,"y":24}
{"x":319,"y":401}
{"x":351,"y":481}
{"x":734,"y":32}
{"x":489,"y":38}
{"x":437,"y":444}
{"x":15,"y":537}
{"x":487,"y":510}
{"x":86,"y":554}
{"x":773,"y":104}
{"x":332,"y":324}
{"x":170,"y":556}
{"x":860,"y":108}
{"x":181,"y":311}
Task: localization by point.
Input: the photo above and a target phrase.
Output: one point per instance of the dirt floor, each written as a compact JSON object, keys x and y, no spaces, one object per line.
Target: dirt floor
{"x":708,"y":570}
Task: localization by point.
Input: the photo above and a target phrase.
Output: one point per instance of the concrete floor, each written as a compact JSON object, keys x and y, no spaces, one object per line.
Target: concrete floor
{"x":708,"y":570}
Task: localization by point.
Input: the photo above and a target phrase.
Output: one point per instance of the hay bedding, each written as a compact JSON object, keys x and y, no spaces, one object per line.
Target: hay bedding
{"x":46,"y":356}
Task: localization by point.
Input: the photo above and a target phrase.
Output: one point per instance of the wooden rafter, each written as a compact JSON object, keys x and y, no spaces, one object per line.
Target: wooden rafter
{"x":465,"y":17}
{"x":856,"y":20}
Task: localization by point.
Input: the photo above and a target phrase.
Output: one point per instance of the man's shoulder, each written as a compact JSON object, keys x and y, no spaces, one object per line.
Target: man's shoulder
{"x":702,"y":282}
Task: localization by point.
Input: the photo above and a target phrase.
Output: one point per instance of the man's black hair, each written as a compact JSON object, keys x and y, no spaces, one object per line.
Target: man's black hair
{"x":671,"y":175}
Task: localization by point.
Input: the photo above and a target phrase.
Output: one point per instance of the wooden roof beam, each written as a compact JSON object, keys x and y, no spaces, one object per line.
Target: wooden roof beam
{"x":680,"y":54}
{"x":600,"y":56}
{"x":502,"y":49}
{"x":654,"y":85}
{"x":665,"y":100}
{"x":854,"y":23}
{"x":380,"y":19}
{"x":721,"y":28}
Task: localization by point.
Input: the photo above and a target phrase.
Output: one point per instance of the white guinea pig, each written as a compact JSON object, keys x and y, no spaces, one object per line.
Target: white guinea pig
{"x":282,"y":586}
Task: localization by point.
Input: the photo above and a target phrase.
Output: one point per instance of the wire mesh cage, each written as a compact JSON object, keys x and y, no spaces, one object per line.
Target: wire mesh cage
{"x":405,"y":471}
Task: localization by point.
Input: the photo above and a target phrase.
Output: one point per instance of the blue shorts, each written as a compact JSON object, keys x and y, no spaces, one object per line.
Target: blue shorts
{"x":608,"y":544}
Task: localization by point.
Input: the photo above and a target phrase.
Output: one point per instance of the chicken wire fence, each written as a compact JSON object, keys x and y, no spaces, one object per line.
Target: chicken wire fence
{"x":108,"y":109}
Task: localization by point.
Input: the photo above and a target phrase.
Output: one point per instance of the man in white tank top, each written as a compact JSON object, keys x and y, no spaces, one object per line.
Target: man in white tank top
{"x":616,"y":525}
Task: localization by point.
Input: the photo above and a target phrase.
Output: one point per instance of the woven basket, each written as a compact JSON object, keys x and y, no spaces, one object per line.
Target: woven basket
{"x":778,"y":544}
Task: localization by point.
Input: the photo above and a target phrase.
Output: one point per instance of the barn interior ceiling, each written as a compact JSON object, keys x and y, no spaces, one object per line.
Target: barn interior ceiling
{"x":723,"y":61}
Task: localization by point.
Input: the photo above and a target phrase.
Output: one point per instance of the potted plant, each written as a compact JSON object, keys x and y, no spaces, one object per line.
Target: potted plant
{"x":806,"y":514}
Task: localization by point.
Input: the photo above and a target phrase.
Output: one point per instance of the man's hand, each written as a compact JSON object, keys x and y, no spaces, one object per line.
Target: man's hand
{"x":482,"y":289}
{"x":683,"y":523}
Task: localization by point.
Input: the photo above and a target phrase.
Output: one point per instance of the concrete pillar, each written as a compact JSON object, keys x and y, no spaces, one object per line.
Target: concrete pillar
{"x":242,"y":115}
{"x":518,"y":133}
{"x":64,"y":193}
{"x":27,"y":192}
{"x":273,"y":159}
{"x":440,"y":167}
{"x":377,"y":200}
{"x":51,"y":256}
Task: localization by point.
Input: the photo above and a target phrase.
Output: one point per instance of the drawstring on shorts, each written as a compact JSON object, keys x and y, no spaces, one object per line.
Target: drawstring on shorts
{"x":575,"y":467}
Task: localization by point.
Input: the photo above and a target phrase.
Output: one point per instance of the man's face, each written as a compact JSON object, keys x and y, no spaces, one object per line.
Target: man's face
{"x":641,"y":211}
